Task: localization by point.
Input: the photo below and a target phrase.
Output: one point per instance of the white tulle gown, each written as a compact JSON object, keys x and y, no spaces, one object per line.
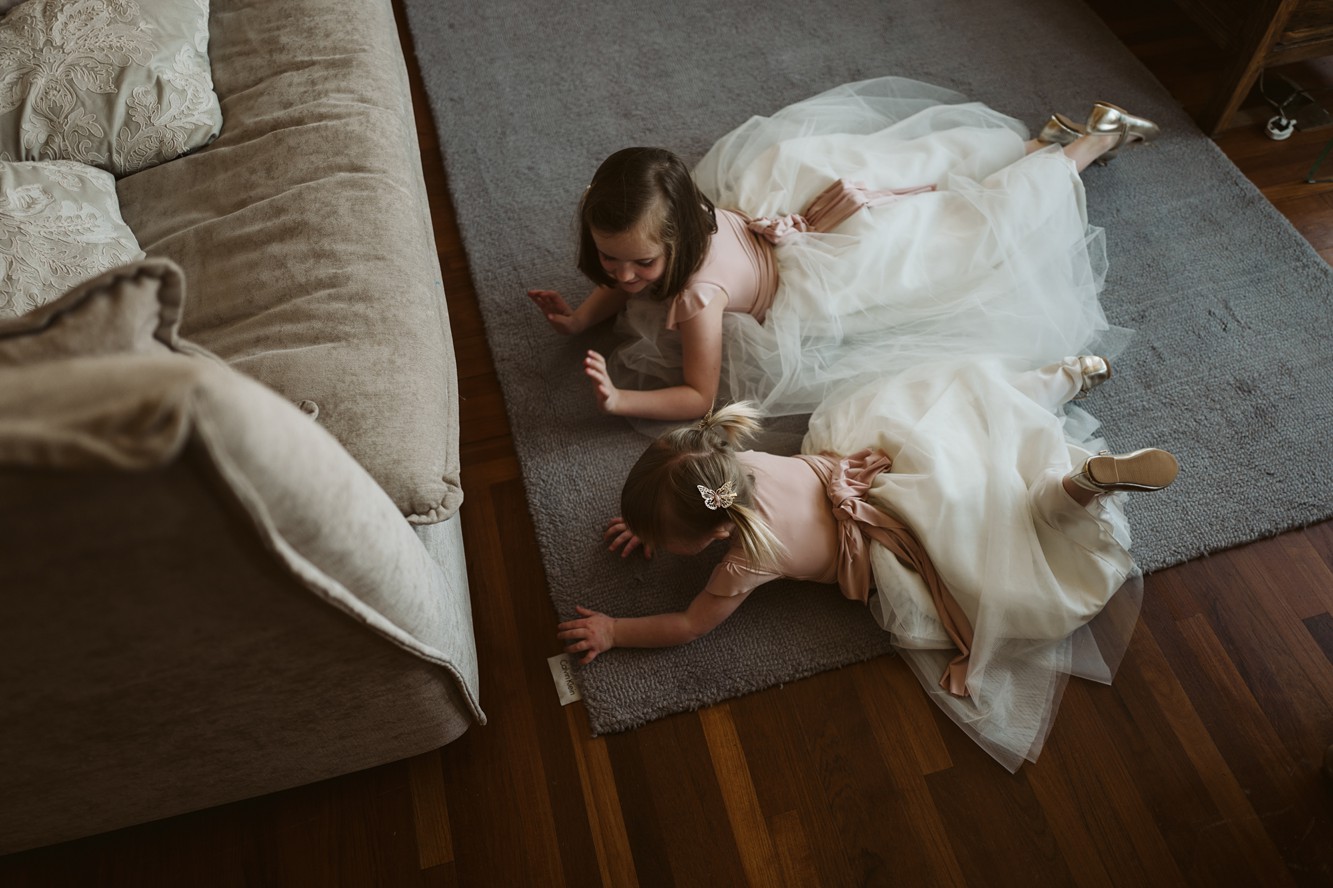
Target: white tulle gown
{"x":999,"y":260}
{"x":979,"y":449}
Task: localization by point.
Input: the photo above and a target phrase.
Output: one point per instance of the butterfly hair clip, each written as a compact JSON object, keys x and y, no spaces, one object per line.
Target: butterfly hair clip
{"x":722,"y":498}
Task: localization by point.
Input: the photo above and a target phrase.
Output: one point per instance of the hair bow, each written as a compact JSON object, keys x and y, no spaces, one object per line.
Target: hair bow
{"x":722,"y":498}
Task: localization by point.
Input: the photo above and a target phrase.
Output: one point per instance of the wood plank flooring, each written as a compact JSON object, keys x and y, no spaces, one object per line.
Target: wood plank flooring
{"x":1200,"y":766}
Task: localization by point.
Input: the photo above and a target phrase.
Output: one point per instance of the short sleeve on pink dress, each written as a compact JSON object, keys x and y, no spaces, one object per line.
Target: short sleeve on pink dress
{"x":695,"y":298}
{"x":731,"y":578}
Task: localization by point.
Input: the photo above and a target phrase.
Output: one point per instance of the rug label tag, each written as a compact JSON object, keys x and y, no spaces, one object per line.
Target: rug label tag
{"x":562,"y":672}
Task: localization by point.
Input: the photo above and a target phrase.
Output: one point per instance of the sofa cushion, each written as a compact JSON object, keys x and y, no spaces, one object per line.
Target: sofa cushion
{"x":305,"y":234}
{"x":59,"y":224}
{"x":132,"y":308}
{"x":132,"y":88}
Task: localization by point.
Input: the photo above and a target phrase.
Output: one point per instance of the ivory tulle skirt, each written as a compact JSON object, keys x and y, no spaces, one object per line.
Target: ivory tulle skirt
{"x":1049,"y":587}
{"x":998,"y":261}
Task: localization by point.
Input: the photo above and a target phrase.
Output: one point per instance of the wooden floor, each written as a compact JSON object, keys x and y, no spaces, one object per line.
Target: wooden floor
{"x":1200,"y":766}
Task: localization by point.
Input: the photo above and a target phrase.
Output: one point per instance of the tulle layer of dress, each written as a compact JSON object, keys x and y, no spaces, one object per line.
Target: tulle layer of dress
{"x":999,"y":260}
{"x":1049,"y":587}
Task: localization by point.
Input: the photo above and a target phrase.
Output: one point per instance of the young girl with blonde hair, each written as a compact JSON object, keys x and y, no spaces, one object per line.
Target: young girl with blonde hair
{"x":859,"y":232}
{"x":995,"y":544}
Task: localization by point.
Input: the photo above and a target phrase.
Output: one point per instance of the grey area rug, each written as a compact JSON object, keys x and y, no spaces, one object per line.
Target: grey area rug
{"x":1230,"y":366}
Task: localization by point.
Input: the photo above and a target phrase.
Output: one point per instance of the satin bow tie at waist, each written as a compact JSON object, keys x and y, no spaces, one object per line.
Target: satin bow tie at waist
{"x":847,"y":480}
{"x":830,"y":208}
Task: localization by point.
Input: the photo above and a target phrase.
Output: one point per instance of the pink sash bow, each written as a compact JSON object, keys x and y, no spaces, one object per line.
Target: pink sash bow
{"x":847,"y":480}
{"x":829,"y":208}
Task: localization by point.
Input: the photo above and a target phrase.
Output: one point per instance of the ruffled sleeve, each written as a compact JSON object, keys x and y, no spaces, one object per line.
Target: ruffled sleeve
{"x":692,"y":300}
{"x":733,"y":577}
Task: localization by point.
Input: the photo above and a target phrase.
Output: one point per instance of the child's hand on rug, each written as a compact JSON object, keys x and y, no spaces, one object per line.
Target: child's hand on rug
{"x":618,"y":532}
{"x":558,"y":314}
{"x":608,"y":396}
{"x":593,"y":633}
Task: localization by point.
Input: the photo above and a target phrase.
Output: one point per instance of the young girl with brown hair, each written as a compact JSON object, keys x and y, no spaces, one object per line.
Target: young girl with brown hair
{"x":995,"y":543}
{"x":927,"y":226}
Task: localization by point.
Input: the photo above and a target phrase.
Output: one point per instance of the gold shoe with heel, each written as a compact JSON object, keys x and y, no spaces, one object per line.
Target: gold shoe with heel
{"x":1094,"y":370}
{"x":1106,"y":119}
{"x":1060,"y":130}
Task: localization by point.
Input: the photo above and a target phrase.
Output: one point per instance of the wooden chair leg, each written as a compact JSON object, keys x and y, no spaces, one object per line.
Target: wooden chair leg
{"x":1249,"y":51}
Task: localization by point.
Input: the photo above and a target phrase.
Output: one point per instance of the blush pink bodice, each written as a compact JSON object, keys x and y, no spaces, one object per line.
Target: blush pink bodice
{"x":739,"y":268}
{"x":790,"y":497}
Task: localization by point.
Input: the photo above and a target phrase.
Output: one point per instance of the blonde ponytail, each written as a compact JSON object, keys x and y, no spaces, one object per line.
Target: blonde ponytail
{"x":671,"y":493}
{"x":737,"y":422}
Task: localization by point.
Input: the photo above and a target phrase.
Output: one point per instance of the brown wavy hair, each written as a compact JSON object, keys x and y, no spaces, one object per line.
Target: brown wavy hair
{"x":647,"y":186}
{"x":661,"y":501}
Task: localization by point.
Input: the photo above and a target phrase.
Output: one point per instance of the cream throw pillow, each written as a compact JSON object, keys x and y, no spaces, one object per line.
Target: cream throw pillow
{"x":119,"y":84}
{"x":132,"y":308}
{"x":60,"y":224}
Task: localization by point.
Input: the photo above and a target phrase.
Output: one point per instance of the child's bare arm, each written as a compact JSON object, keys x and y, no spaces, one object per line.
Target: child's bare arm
{"x":701,"y":351}
{"x":602,"y":303}
{"x":594,"y":633}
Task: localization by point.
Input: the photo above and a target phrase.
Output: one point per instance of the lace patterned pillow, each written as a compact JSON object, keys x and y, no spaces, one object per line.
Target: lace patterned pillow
{"x":119,"y":84}
{"x":59,"y":225}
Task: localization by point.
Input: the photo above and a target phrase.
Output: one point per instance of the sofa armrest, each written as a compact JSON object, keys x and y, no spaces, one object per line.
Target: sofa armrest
{"x":206,"y":599}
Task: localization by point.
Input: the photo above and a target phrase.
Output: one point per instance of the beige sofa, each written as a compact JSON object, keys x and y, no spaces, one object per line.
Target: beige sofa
{"x":225,"y":576}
